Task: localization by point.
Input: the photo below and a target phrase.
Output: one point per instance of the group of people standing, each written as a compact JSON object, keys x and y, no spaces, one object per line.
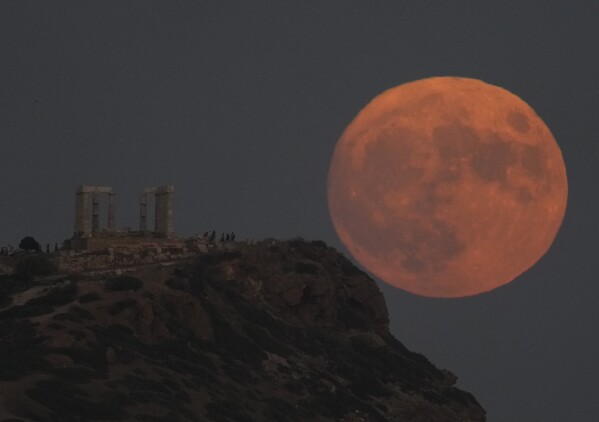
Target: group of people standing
{"x":48,"y":247}
{"x":10,"y":250}
{"x":224,"y":237}
{"x":7,"y":250}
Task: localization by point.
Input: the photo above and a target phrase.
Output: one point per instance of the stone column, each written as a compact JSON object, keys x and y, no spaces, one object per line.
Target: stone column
{"x":111,"y":212}
{"x":95,"y":212}
{"x":82,"y":223}
{"x":164,"y":211}
{"x":143,"y":210}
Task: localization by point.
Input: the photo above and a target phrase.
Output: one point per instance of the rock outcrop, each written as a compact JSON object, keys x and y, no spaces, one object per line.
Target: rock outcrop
{"x":290,"y":331}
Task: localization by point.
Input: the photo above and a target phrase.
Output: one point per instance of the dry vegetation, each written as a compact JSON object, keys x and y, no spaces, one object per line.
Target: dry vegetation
{"x":288,"y":332}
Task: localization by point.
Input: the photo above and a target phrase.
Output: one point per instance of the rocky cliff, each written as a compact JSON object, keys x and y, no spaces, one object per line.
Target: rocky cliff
{"x":290,"y":331}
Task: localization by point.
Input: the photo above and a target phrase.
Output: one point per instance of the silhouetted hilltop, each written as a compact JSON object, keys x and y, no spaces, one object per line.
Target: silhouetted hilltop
{"x":285,"y":331}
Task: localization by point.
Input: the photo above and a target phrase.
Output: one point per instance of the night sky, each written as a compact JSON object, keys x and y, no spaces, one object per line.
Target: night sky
{"x":240,"y":104}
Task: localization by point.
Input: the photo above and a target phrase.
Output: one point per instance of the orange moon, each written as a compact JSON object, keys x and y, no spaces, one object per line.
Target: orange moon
{"x":447,"y":187}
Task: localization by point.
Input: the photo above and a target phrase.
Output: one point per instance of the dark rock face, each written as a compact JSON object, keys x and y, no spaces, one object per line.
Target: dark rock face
{"x":284,"y":332}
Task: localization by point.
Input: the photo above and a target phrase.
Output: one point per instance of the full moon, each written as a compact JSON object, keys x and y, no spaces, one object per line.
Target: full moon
{"x":447,"y":187}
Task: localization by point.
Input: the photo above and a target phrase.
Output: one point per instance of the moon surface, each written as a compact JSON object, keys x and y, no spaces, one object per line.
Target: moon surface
{"x":447,"y":187}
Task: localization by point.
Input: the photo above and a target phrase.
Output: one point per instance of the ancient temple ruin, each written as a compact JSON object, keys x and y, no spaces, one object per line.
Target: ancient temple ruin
{"x":87,"y":210}
{"x":90,"y":195}
{"x":163,"y":211}
{"x":99,"y":246}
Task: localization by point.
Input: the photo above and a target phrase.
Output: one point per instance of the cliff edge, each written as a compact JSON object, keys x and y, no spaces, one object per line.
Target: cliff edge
{"x":285,"y":331}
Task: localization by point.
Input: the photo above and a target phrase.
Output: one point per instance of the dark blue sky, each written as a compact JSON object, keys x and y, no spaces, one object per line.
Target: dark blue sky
{"x":240,"y":104}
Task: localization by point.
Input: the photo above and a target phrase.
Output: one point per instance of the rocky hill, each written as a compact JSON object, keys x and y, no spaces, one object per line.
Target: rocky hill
{"x":290,"y":331}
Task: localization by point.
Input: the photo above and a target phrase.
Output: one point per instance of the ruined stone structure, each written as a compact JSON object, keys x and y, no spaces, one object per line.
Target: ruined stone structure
{"x":90,"y":237}
{"x":85,"y":196}
{"x":163,"y":212}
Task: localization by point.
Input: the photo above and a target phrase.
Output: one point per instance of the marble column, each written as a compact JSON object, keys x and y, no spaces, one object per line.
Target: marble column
{"x":143,"y":212}
{"x":164,"y":211}
{"x":95,"y":212}
{"x":82,"y":223}
{"x":111,"y":212}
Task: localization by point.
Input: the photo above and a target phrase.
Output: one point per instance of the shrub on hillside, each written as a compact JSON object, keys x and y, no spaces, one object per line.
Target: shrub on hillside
{"x":306,"y":268}
{"x":121,"y":305}
{"x":28,"y":243}
{"x":320,"y":244}
{"x":33,"y":266}
{"x":89,"y":297}
{"x":56,"y":296}
{"x":9,"y":285}
{"x":123,"y":283}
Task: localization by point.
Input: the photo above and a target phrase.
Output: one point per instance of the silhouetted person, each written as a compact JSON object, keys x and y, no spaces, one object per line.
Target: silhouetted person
{"x":227,"y":237}
{"x":222,"y":237}
{"x":232,"y":236}
{"x":47,"y":248}
{"x":213,"y":236}
{"x":56,"y":247}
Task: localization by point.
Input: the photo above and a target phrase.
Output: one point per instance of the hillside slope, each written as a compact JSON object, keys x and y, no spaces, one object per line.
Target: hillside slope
{"x":285,"y":332}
